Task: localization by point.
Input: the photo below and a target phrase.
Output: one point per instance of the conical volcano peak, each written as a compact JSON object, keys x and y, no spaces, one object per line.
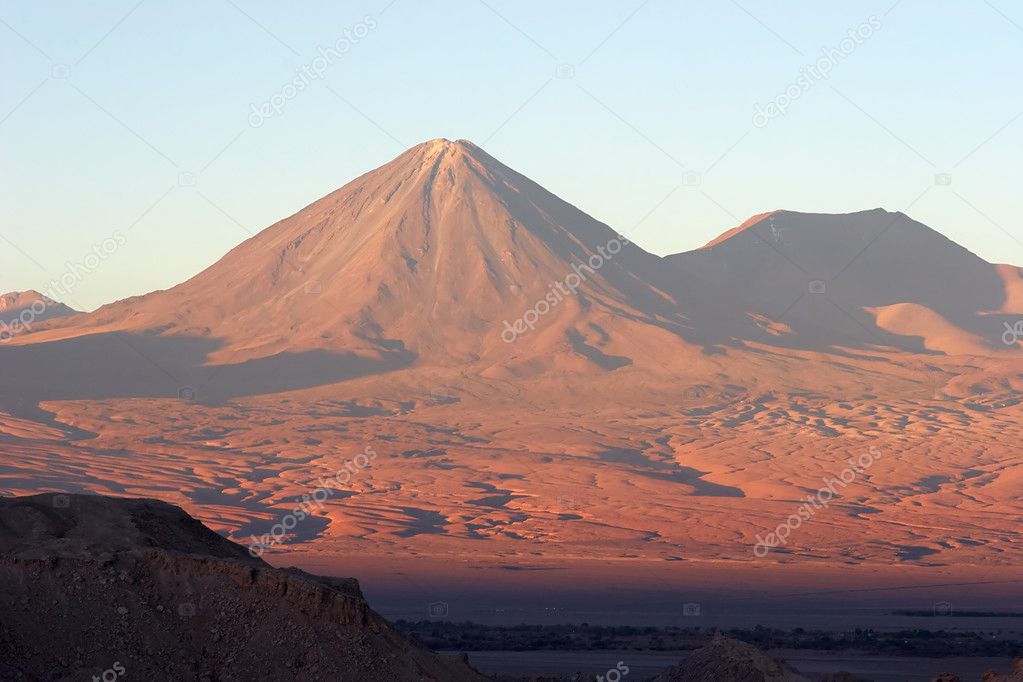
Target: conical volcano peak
{"x":438,"y":145}
{"x":445,"y":143}
{"x":442,"y":239}
{"x":442,"y":145}
{"x":443,"y":149}
{"x":445,"y":165}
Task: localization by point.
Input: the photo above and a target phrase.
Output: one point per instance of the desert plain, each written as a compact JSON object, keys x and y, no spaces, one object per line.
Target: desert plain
{"x":630,"y":449}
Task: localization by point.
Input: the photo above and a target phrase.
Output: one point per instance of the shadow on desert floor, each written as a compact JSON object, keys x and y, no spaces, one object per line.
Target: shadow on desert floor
{"x":120,"y":365}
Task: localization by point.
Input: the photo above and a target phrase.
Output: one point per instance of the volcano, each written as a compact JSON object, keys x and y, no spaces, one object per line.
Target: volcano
{"x":871,"y":278}
{"x":655,"y":421}
{"x":19,"y":309}
{"x":446,"y":260}
{"x":446,"y":256}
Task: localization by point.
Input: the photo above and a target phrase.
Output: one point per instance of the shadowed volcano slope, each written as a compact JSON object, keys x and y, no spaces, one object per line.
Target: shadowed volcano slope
{"x":866,"y":278}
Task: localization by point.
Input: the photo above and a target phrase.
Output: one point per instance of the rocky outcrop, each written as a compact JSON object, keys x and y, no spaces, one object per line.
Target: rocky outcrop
{"x":1015,"y":676}
{"x":729,"y":659}
{"x":94,"y":586}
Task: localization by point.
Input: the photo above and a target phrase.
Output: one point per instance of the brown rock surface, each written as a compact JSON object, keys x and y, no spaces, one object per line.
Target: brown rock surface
{"x":729,"y":660}
{"x":90,"y":584}
{"x":1015,"y":676}
{"x":20,"y":307}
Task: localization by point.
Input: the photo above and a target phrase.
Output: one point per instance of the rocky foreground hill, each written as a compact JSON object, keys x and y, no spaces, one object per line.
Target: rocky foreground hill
{"x":727,"y":658}
{"x":100,"y":588}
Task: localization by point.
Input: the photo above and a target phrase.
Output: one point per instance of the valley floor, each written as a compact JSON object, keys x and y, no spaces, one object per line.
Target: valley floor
{"x":679,"y":494}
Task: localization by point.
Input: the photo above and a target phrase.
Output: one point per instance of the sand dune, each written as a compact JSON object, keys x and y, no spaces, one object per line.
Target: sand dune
{"x":935,"y":332}
{"x":661,"y":478}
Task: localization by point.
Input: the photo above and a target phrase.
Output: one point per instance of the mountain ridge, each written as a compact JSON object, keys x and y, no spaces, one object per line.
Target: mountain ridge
{"x":19,"y":310}
{"x":435,"y":254}
{"x":867,"y":278}
{"x":444,"y":257}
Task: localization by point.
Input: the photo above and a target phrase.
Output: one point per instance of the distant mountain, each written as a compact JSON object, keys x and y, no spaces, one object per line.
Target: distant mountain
{"x":447,"y":256}
{"x":866,"y":278}
{"x":444,"y":261}
{"x":91,"y":584}
{"x":726,"y":658}
{"x":26,"y":307}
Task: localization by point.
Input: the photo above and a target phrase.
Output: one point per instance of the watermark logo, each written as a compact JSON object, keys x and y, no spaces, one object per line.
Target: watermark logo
{"x":111,"y":673}
{"x":62,"y":288}
{"x":311,"y":502}
{"x":313,"y":71}
{"x":564,"y":71}
{"x":824,"y":496}
{"x":23,"y":322}
{"x":1013,"y":333}
{"x":443,"y":396}
{"x":438,"y":609}
{"x":614,"y":674}
{"x":811,"y":74}
{"x":559,"y":291}
{"x":564,"y":502}
{"x":696,"y":393}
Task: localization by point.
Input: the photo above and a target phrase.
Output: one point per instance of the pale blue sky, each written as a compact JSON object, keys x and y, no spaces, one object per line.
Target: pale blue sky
{"x":106,"y":104}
